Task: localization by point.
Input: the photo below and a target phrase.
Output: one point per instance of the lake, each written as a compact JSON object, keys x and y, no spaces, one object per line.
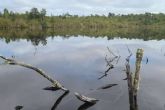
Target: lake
{"x":78,"y":62}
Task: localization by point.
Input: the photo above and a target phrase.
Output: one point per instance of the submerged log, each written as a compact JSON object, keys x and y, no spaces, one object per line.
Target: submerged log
{"x":55,"y":83}
{"x":51,"y":88}
{"x":108,"y":86}
{"x":18,"y":107}
{"x":85,"y":98}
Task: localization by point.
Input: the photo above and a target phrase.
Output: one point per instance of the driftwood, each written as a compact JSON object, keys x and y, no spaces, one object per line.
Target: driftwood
{"x":55,"y":83}
{"x":133,"y":80}
{"x":85,"y":98}
{"x":107,"y":86}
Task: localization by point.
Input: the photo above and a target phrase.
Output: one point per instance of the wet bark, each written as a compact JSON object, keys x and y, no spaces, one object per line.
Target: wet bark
{"x":55,"y":83}
{"x":133,"y":80}
{"x":85,"y":98}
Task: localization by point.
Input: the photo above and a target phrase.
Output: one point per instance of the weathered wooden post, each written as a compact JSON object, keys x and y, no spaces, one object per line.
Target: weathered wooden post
{"x":139,"y":56}
{"x":133,"y":80}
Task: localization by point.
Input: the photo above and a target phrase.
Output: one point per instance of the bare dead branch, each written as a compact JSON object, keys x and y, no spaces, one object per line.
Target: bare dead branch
{"x":113,"y":58}
{"x":111,"y":52}
{"x":104,"y":75}
{"x":133,"y":80}
{"x":55,"y":83}
{"x":130,"y":54}
{"x":85,"y":98}
{"x":109,"y":63}
{"x":106,"y":72}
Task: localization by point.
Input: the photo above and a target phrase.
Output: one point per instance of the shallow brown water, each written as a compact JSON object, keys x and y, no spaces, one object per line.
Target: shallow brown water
{"x":76,"y":62}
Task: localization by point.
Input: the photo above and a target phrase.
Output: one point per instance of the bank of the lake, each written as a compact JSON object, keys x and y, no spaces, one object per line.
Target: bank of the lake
{"x":37,"y":19}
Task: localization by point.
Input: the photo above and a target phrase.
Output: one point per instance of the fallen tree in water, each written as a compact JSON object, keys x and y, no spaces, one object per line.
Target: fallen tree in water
{"x":55,"y":83}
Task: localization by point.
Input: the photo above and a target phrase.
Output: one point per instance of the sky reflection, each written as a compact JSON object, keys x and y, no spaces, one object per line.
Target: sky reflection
{"x":77,"y":62}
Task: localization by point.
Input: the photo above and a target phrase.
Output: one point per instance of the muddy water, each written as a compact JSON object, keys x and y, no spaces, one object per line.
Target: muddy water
{"x":77,"y":63}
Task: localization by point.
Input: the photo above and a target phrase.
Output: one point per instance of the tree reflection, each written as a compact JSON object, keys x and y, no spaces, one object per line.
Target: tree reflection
{"x":85,"y":106}
{"x":58,"y":101}
{"x":39,"y":36}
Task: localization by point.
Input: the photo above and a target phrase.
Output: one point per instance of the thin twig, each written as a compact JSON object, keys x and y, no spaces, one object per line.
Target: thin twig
{"x":130,"y":54}
{"x":111,"y":52}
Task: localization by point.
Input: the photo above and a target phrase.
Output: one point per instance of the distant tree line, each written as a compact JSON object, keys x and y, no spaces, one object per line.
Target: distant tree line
{"x":37,"y":19}
{"x":34,"y":13}
{"x":37,"y":37}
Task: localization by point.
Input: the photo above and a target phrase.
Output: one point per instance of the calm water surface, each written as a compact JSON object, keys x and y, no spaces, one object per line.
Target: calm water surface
{"x":77,"y":63}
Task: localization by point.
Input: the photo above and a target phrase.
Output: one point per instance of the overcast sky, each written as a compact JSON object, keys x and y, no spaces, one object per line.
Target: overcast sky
{"x":86,"y":7}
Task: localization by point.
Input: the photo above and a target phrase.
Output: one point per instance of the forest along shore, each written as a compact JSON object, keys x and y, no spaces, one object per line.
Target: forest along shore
{"x":38,"y":19}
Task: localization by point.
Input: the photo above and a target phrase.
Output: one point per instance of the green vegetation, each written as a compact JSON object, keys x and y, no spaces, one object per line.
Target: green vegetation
{"x":37,"y":37}
{"x":37,"y":19}
{"x":35,"y":26}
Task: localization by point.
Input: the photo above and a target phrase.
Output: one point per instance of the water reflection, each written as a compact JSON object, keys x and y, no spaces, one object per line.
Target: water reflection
{"x":37,"y":37}
{"x":75,"y":62}
{"x":85,"y":106}
{"x":51,"y":88}
{"x":18,"y":107}
{"x":109,"y":63}
{"x":59,"y":100}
